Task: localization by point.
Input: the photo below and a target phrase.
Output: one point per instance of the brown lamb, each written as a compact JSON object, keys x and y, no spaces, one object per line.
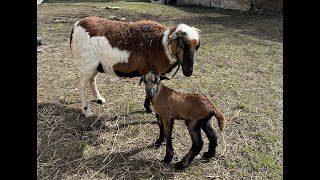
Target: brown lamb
{"x":196,"y":109}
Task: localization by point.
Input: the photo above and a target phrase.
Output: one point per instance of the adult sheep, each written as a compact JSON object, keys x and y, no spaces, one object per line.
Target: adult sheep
{"x":129,"y":49}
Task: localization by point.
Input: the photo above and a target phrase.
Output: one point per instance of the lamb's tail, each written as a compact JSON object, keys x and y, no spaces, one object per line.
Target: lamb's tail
{"x":222,"y":123}
{"x":221,"y":118}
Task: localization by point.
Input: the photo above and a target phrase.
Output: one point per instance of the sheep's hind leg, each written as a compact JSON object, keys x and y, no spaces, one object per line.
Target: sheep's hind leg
{"x":94,"y":89}
{"x":197,"y":143}
{"x":84,"y":78}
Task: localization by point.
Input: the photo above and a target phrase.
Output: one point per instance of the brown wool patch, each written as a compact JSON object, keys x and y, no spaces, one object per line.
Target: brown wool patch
{"x":123,"y":35}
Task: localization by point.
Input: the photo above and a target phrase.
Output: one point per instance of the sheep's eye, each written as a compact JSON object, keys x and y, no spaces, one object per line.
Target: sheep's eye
{"x":181,"y":45}
{"x":197,"y":47}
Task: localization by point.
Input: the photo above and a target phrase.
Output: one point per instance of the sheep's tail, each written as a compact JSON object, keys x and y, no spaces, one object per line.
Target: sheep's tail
{"x":221,"y":118}
{"x":71,"y":37}
{"x":75,"y":24}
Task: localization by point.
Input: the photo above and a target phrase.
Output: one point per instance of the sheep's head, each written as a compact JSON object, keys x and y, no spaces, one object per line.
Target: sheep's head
{"x":185,"y":41}
{"x":152,"y":81}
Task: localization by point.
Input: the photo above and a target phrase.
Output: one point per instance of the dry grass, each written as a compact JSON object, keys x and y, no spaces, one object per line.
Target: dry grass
{"x":239,"y":65}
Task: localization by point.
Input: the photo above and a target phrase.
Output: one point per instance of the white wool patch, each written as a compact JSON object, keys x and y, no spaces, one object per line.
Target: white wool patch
{"x":191,"y":33}
{"x":89,"y":51}
{"x":166,"y":48}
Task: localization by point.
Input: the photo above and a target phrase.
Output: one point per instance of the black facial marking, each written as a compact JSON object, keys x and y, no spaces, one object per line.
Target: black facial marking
{"x":85,"y":108}
{"x":186,"y":47}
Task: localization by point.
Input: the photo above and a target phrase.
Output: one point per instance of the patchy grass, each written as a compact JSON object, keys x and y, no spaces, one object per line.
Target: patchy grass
{"x":239,"y":65}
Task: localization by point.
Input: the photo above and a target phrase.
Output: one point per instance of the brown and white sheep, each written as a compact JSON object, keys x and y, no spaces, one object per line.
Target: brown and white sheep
{"x":195,"y":108}
{"x":129,"y":49}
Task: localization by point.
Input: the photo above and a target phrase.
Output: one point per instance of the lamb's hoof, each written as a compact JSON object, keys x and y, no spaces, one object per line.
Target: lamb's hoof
{"x":101,"y":101}
{"x":208,"y":155}
{"x":167,"y":159}
{"x":158,"y":143}
{"x":179,"y":166}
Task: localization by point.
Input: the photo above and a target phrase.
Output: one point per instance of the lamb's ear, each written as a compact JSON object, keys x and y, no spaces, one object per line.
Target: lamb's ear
{"x":163,"y":77}
{"x":141,"y":79}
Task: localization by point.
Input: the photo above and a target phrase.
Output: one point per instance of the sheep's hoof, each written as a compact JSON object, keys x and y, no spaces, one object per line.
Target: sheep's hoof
{"x":179,"y":166}
{"x":87,"y":114}
{"x":208,"y":155}
{"x":167,"y":159}
{"x":101,"y":101}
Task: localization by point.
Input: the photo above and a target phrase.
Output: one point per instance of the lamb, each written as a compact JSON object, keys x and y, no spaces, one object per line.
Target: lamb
{"x":195,"y":109}
{"x":129,"y":49}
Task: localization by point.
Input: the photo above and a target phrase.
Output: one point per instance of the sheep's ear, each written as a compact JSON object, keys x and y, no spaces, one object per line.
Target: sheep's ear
{"x":162,"y":77}
{"x":172,"y":37}
{"x":141,"y":79}
{"x":198,"y":30}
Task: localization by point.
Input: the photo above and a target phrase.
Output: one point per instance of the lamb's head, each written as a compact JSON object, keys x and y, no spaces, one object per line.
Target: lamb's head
{"x":152,"y":81}
{"x":184,"y":41}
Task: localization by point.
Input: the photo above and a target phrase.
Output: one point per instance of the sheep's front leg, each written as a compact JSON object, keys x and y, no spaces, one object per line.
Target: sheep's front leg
{"x":94,"y":90}
{"x":197,"y":143}
{"x":147,"y":105}
{"x":161,"y":136}
{"x":167,"y":127}
{"x":84,"y":78}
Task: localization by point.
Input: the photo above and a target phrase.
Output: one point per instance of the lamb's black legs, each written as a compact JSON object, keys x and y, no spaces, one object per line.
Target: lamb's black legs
{"x":197,"y":143}
{"x":194,"y":128}
{"x":211,"y":134}
{"x":161,"y":136}
{"x":167,"y":127}
{"x":147,"y":105}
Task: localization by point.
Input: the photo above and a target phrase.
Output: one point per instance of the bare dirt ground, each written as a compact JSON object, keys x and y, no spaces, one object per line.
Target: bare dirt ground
{"x":239,"y":65}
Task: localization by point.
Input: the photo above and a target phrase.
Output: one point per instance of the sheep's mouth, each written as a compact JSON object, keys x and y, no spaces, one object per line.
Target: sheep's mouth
{"x":187,"y":70}
{"x":187,"y":63}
